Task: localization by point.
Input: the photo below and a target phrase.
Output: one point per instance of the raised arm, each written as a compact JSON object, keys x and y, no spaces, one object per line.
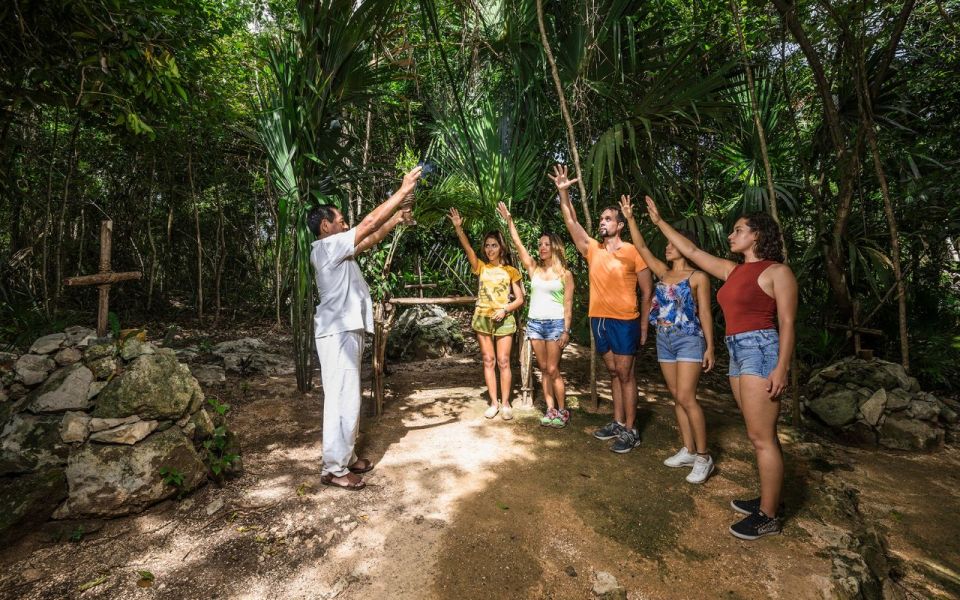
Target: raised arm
{"x":401,"y":216}
{"x":525,"y":259}
{"x":464,"y":241}
{"x":656,"y":265}
{"x":581,"y":238}
{"x":378,"y":216}
{"x":701,"y":287}
{"x":718,"y":267}
{"x":785,"y":293}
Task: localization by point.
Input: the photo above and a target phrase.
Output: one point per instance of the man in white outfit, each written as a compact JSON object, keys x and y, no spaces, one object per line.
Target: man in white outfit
{"x":343,"y":316}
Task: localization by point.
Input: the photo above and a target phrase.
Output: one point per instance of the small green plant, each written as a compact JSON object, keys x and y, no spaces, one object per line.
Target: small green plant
{"x":172,"y":476}
{"x":205,"y":346}
{"x":77,"y":534}
{"x":114,"y":321}
{"x":219,"y":455}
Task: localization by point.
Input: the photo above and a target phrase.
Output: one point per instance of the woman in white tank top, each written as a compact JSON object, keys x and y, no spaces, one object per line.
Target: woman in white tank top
{"x":549,"y":319}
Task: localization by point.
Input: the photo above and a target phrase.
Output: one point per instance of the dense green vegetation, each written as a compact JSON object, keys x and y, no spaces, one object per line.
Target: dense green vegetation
{"x":204,"y":129}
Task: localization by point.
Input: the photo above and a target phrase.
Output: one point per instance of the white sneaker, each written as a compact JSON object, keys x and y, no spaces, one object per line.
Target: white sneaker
{"x":492,"y":411}
{"x":683,"y":458}
{"x":702,"y":468}
{"x":506,"y":413}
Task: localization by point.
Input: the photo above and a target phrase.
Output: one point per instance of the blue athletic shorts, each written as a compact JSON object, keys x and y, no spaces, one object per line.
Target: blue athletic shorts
{"x":753,"y":352}
{"x":545,"y":329}
{"x":674,"y":345}
{"x":616,"y":335}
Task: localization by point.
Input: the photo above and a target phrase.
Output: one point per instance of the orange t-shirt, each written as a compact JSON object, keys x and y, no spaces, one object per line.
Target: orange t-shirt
{"x":613,"y":281}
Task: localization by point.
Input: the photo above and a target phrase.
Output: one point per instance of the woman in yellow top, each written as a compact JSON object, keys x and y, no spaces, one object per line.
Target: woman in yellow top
{"x":493,"y":319}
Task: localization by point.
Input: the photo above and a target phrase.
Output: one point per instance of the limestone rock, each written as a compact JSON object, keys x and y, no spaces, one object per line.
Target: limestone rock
{"x":95,"y":388}
{"x":103,"y":424}
{"x":67,"y":356}
{"x":66,"y":389}
{"x":30,"y":442}
{"x":131,"y":433}
{"x":606,"y":587}
{"x":29,"y":500}
{"x":78,"y":336}
{"x":47,"y":344}
{"x":263,"y":363}
{"x":104,"y":367}
{"x":202,"y":425}
{"x":948,"y":415}
{"x":898,"y":399}
{"x":99,"y":348}
{"x":923,"y":409}
{"x":908,"y":434}
{"x":154,"y":386}
{"x":873,"y":408}
{"x":74,"y":427}
{"x":241,"y":346}
{"x":112,"y":480}
{"x":424,"y":332}
{"x":209,"y":375}
{"x":836,"y":409}
{"x":32,"y":368}
{"x":133,"y":347}
{"x":187,"y":354}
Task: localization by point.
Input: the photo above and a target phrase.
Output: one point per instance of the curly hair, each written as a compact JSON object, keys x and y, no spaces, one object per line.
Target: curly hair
{"x":768,"y":236}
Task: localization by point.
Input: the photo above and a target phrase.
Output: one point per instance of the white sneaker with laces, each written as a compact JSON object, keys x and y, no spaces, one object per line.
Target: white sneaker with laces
{"x":702,"y":468}
{"x":683,"y":458}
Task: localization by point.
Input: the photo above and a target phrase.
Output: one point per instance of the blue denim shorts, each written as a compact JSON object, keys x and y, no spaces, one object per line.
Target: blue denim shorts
{"x":545,"y":329}
{"x":674,"y":345}
{"x":753,"y":352}
{"x":616,"y":335}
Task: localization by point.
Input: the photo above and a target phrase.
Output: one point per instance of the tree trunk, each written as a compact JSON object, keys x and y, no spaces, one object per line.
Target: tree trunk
{"x":151,"y":276}
{"x":47,"y":216}
{"x":277,"y":248}
{"x":58,"y":257}
{"x":221,"y":257}
{"x":196,"y":221}
{"x":572,"y":142}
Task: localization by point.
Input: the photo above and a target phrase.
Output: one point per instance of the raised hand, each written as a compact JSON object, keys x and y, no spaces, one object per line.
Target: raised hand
{"x":560,"y":178}
{"x":454,"y":216}
{"x":504,"y":211}
{"x":625,"y":207}
{"x":652,"y":210}
{"x":410,"y":179}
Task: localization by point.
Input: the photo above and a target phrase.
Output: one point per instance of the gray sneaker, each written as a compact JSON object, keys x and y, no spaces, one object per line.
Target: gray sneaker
{"x":627,"y":440}
{"x":608,"y":431}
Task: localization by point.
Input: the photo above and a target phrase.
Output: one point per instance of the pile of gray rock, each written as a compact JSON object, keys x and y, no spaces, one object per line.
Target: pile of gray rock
{"x":422,"y":332}
{"x":244,"y":356}
{"x":875,"y":402}
{"x":87,"y":425}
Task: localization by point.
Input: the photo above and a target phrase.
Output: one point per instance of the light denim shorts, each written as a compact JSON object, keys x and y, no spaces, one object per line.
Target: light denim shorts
{"x":674,"y":345}
{"x":753,"y":352}
{"x":545,"y":329}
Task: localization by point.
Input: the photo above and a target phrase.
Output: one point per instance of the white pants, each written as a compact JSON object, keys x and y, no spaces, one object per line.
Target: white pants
{"x":340,"y":355}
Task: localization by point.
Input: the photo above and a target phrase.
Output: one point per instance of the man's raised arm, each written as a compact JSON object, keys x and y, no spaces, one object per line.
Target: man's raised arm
{"x":581,"y":238}
{"x":379,"y":216}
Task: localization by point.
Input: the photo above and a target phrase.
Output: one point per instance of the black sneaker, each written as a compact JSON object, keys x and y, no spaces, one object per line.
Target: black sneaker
{"x":627,"y":440}
{"x":748,"y":507}
{"x":756,"y":526}
{"x":608,"y":431}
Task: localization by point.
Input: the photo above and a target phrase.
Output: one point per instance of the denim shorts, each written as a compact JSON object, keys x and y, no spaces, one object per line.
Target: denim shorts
{"x":753,"y":352}
{"x":619,"y":336}
{"x":674,"y":345}
{"x":545,"y":329}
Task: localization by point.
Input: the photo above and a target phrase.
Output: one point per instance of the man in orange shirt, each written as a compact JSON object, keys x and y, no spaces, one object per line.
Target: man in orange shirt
{"x":616,"y":270}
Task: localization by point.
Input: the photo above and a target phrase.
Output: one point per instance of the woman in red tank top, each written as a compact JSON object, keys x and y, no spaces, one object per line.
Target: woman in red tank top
{"x":759,"y":302}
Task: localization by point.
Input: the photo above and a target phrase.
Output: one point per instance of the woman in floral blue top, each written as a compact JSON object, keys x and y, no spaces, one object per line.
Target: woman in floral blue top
{"x":681,"y":315}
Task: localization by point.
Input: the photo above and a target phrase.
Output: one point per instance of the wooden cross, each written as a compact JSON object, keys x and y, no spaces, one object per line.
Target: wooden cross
{"x":105,"y":278}
{"x":421,"y":285}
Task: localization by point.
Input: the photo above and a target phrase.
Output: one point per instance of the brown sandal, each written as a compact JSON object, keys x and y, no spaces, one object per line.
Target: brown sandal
{"x":353,"y":483}
{"x":361,"y":466}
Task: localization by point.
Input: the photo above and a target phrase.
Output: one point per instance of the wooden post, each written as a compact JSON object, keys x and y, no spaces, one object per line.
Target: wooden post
{"x":105,"y":278}
{"x":527,"y":395}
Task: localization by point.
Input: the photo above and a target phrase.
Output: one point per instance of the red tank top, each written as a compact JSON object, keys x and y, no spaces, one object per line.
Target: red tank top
{"x":746,"y":307}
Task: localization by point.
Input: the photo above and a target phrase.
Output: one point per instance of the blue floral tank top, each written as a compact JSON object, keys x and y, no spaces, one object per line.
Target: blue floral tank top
{"x":674,"y":305}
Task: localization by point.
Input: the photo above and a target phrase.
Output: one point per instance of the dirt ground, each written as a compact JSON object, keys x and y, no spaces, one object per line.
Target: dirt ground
{"x":462,"y":507}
